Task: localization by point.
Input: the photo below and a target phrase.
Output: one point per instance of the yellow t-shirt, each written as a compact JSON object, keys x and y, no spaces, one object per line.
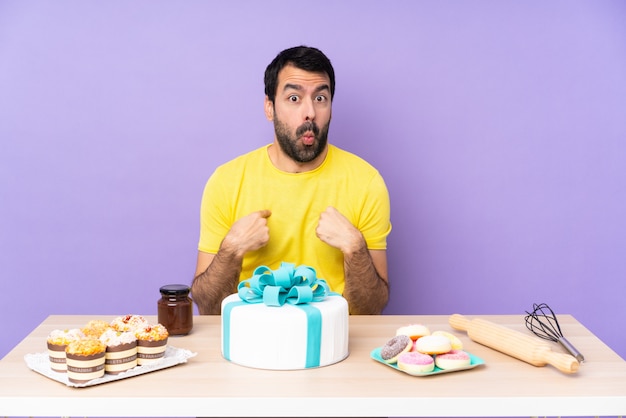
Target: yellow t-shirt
{"x":251,"y":182}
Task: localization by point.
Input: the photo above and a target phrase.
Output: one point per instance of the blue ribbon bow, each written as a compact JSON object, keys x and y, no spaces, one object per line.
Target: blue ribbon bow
{"x":287,"y":284}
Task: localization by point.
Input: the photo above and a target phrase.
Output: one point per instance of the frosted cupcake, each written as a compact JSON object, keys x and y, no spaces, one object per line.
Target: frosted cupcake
{"x":95,"y":328}
{"x":129,"y":323}
{"x":151,"y":344}
{"x":121,"y":351}
{"x":57,"y":342}
{"x":85,"y":360}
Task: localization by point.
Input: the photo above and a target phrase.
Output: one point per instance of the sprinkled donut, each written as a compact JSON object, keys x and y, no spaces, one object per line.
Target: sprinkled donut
{"x":394,"y":347}
{"x":416,"y":363}
{"x":452,"y":360}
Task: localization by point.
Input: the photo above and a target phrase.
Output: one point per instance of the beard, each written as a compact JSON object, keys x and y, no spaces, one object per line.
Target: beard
{"x":296,"y":150}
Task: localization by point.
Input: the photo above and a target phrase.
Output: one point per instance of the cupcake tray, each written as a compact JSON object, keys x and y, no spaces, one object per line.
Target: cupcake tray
{"x":474,"y":361}
{"x":173,"y":356}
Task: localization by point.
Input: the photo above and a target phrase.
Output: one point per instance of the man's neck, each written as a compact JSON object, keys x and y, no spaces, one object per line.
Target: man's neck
{"x":283,"y":162}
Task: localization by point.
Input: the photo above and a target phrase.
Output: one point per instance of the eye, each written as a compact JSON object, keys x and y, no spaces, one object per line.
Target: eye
{"x":293,"y":98}
{"x":321,"y":98}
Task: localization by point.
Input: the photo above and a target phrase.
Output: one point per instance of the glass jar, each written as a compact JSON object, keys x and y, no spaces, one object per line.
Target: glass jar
{"x":175,"y":310}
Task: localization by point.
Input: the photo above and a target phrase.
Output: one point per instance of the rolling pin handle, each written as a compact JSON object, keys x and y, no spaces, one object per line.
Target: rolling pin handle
{"x":563,"y":362}
{"x":459,"y":322}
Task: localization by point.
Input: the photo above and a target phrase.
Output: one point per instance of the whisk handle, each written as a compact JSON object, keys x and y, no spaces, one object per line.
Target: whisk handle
{"x":571,"y":349}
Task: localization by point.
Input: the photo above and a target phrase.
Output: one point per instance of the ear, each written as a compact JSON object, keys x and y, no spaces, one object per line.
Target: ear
{"x":269,"y":109}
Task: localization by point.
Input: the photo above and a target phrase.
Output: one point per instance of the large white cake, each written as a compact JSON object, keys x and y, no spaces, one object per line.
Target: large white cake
{"x":287,"y":337}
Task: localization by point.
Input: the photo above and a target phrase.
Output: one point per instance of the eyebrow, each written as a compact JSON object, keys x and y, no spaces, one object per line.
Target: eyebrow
{"x":298,"y":87}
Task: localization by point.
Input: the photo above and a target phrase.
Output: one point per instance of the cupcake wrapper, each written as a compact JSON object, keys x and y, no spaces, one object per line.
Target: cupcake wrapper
{"x":150,"y":351}
{"x":81,"y":369}
{"x":56,"y":355}
{"x":120,"y":358}
{"x":122,"y":347}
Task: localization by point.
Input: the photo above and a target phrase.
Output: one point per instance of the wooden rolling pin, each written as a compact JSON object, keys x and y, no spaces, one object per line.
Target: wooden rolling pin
{"x":513,"y":343}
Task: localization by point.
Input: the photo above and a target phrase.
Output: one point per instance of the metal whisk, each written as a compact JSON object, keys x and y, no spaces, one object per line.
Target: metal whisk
{"x":543,"y":323}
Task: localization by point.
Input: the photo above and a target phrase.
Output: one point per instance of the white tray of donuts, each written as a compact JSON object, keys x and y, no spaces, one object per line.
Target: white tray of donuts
{"x":417,"y":351}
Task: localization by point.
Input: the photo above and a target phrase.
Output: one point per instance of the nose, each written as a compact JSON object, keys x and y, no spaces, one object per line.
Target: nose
{"x":309,"y":110}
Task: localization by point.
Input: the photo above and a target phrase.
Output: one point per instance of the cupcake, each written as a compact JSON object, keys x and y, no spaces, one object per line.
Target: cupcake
{"x":57,"y":342}
{"x":121,"y":351}
{"x":95,"y":328}
{"x":85,"y":360}
{"x":151,"y":344}
{"x":129,"y":323}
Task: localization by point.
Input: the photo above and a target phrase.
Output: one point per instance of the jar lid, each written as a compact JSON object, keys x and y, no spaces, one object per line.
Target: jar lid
{"x":174,"y":289}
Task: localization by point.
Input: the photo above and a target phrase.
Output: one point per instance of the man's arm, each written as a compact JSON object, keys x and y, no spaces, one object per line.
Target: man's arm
{"x":365,"y":271}
{"x":217,"y":275}
{"x":366,"y":288}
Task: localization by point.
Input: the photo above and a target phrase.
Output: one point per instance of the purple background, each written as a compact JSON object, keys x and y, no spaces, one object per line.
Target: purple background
{"x":499,"y":127}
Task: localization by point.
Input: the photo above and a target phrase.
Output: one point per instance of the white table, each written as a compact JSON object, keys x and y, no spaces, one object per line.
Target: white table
{"x":208,"y":385}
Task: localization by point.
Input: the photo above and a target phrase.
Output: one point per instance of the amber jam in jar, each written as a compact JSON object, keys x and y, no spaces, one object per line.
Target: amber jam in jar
{"x":175,"y":310}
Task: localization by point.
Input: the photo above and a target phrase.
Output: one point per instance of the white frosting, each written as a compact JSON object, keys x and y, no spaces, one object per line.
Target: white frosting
{"x":65,"y":336}
{"x":129,"y":323}
{"x":112,"y":338}
{"x":270,"y":337}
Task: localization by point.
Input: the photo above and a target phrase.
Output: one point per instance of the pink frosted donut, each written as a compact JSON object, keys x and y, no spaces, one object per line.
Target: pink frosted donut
{"x":394,"y":347}
{"x":452,"y":360}
{"x":432,"y":344}
{"x":415,"y":363}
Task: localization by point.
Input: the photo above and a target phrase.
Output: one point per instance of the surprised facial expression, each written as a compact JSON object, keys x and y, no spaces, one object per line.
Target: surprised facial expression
{"x":301,"y":113}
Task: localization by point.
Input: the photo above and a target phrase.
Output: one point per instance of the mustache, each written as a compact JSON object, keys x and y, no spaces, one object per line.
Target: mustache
{"x":306,"y":127}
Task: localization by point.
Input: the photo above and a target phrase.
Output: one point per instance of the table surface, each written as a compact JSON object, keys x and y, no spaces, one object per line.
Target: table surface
{"x":208,"y":385}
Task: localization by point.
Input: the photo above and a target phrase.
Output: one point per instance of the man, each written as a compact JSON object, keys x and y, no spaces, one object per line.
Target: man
{"x":297,"y":200}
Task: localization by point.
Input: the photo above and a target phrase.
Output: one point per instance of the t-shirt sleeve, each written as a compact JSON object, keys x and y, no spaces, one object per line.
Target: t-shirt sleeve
{"x":375,"y":222}
{"x":214,"y":219}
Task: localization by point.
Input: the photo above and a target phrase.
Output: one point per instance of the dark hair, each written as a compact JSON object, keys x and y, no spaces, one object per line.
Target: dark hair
{"x":302,"y":57}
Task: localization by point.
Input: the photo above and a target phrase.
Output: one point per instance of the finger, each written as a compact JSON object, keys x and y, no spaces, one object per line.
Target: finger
{"x":265,"y":213}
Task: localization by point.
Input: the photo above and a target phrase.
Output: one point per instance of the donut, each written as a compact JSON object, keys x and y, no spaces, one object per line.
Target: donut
{"x":394,"y":347}
{"x":454,"y":340}
{"x":414,"y":331}
{"x":432,"y":344}
{"x":415,"y":363}
{"x":452,"y":360}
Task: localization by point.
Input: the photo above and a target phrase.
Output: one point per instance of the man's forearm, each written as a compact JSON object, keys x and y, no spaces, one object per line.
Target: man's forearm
{"x":365,"y":290}
{"x":219,"y":280}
